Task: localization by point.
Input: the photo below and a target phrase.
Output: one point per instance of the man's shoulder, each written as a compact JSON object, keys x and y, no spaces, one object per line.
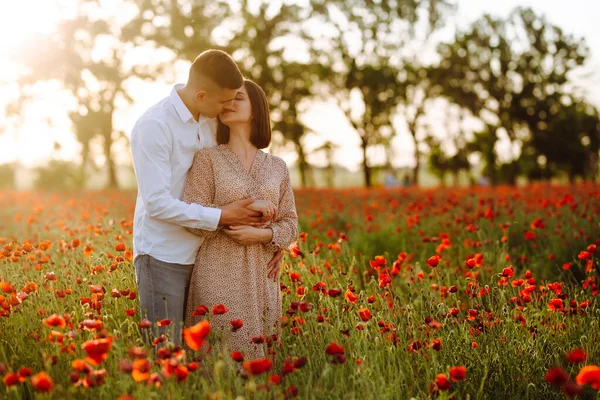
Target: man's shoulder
{"x":158,"y":114}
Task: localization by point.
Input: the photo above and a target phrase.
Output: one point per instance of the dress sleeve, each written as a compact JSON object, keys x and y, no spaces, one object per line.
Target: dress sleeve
{"x":285,"y":228}
{"x":200,"y":189}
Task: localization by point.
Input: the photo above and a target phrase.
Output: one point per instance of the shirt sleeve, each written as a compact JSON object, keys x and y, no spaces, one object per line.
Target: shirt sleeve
{"x":285,"y":228}
{"x":151,"y":146}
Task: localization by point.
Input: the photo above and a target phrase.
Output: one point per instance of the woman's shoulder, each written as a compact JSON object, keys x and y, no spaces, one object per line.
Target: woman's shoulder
{"x":204,"y":156}
{"x":276,"y":161}
{"x":208,"y":152}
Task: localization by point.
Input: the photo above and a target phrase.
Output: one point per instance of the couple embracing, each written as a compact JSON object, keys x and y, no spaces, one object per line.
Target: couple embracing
{"x":213,"y":211}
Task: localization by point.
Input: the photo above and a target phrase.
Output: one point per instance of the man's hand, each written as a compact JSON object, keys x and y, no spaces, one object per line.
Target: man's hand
{"x":247,"y":235}
{"x":275,"y":265}
{"x":266,"y":207}
{"x":238,"y":213}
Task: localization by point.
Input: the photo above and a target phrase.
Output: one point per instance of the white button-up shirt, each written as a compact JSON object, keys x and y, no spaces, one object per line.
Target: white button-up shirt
{"x":163,"y":143}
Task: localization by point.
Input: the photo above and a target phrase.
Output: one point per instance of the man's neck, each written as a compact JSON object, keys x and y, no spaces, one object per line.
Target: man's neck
{"x":187,"y":98}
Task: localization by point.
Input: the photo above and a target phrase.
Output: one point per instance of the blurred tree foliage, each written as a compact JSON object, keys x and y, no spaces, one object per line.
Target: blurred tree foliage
{"x":58,"y":175}
{"x":511,"y":74}
{"x":86,"y":53}
{"x":370,"y":75}
{"x":7,"y":176}
{"x":252,"y":32}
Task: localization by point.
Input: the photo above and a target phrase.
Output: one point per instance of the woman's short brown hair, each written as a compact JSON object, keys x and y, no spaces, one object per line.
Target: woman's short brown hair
{"x":260,"y":136}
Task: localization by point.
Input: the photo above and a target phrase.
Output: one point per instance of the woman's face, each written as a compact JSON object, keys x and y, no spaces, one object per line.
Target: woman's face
{"x":239,"y":110}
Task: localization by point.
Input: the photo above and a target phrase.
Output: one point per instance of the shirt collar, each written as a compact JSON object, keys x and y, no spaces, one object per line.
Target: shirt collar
{"x":182,"y":110}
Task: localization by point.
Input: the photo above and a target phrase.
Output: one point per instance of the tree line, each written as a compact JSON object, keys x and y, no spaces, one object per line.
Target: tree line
{"x":511,"y":75}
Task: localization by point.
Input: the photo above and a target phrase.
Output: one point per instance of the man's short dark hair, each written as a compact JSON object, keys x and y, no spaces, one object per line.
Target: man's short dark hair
{"x":218,"y":67}
{"x":260,"y":136}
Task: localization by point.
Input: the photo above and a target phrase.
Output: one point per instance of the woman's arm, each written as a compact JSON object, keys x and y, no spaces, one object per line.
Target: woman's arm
{"x":200,"y":188}
{"x":285,"y":228}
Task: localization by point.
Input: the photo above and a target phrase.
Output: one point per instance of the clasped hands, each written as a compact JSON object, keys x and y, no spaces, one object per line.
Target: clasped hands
{"x":242,"y":218}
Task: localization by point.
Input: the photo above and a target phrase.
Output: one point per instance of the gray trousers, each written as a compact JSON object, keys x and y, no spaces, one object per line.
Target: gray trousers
{"x":162,"y":290}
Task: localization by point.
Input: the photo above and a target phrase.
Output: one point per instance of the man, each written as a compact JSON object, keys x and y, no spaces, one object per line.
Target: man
{"x":163,"y":143}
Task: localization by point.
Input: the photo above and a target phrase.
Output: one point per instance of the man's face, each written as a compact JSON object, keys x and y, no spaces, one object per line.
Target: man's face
{"x":212,"y":103}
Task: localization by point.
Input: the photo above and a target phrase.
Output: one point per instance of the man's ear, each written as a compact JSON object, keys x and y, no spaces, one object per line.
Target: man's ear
{"x":200,"y":95}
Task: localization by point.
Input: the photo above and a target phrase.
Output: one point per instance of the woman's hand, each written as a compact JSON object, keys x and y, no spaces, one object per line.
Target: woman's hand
{"x":268,"y":209}
{"x":247,"y":235}
{"x":274,"y":266}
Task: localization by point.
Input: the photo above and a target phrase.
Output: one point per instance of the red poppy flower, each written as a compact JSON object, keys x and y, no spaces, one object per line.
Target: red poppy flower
{"x":442,"y":382}
{"x":436,"y":344}
{"x":237,"y":356}
{"x":54,"y":321}
{"x":458,"y":373}
{"x":120,"y":247}
{"x":589,"y":375}
{"x":433,"y":261}
{"x":557,"y":377}
{"x":257,"y":339}
{"x":508,"y":271}
{"x":81,"y":366}
{"x":576,"y":356}
{"x":42,"y":382}
{"x":583,"y":255}
{"x":555,"y":304}
{"x":11,"y":379}
{"x":364,"y":314}
{"x":145,"y":324}
{"x":384,"y":278}
{"x":351,"y":297}
{"x":257,"y":367}
{"x":334,"y":292}
{"x":200,"y":311}
{"x":164,"y":322}
{"x":291,"y":392}
{"x":97,"y":350}
{"x":137,"y":352}
{"x":196,"y":335}
{"x":333,"y":349}
{"x":236,"y":324}
{"x":529,"y":235}
{"x":219,"y":309}
{"x":472,"y":315}
{"x":141,"y":370}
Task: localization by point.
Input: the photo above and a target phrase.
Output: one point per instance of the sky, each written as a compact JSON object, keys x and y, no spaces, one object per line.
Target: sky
{"x":33,"y":144}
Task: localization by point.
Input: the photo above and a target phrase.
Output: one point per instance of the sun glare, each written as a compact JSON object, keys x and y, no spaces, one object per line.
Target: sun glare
{"x":21,"y":21}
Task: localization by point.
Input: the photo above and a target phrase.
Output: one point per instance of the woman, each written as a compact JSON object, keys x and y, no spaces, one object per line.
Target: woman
{"x":226,"y":272}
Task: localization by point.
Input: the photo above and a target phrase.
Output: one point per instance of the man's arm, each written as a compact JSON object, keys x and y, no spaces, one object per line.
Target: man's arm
{"x":151,"y":146}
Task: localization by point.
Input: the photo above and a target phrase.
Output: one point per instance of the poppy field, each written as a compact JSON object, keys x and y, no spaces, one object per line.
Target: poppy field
{"x":390,"y":294}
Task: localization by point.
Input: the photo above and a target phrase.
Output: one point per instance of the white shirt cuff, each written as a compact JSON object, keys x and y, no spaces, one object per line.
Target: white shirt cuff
{"x":211,"y":217}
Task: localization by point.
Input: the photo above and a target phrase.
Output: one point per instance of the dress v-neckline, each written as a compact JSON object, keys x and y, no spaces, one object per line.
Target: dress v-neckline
{"x":239,"y":160}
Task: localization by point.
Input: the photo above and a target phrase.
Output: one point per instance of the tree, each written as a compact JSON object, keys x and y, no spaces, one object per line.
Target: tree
{"x":328,"y":148}
{"x":251,"y":32}
{"x":417,"y":91}
{"x":366,"y":54}
{"x":499,"y":69}
{"x":86,"y":54}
